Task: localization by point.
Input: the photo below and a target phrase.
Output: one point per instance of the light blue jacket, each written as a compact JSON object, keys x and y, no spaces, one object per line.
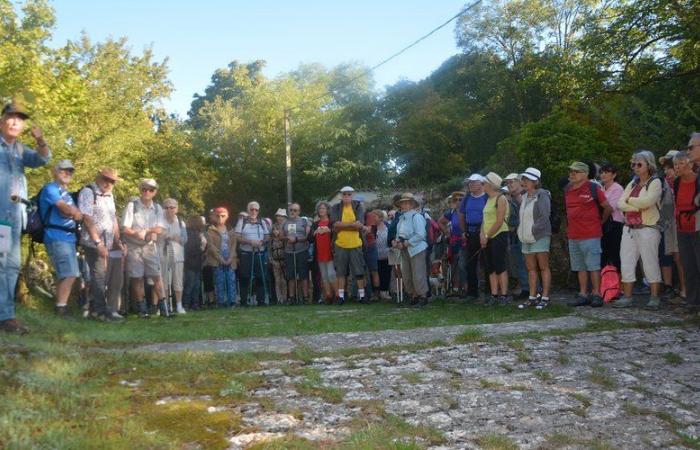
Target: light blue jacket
{"x":13,"y":159}
{"x":411,"y":228}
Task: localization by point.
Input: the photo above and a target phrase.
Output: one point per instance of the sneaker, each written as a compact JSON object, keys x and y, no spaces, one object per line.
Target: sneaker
{"x":654,"y":304}
{"x":580,"y":300}
{"x":143,"y":310}
{"x":13,"y":326}
{"x":504,"y":300}
{"x":597,"y":301}
{"x":531,"y":301}
{"x":363,"y":300}
{"x":623,"y":302}
{"x":542,"y":303}
{"x":116,"y":316}
{"x":181,"y":310}
{"x":421,"y":303}
{"x":413,"y":302}
{"x":641,"y":290}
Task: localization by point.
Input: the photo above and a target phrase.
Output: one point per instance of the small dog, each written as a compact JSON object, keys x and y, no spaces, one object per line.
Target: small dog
{"x":437,"y":280}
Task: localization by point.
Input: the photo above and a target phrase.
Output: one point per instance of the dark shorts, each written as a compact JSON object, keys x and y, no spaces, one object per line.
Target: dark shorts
{"x":208,"y":278}
{"x":496,"y":254}
{"x":300,"y":270}
{"x":349,"y":260}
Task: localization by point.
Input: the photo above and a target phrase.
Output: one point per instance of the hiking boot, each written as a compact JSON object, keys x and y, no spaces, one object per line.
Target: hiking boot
{"x":421,"y":302}
{"x":153,"y":310}
{"x":597,"y":301}
{"x":61,"y":310}
{"x":13,"y":326}
{"x":413,"y":302}
{"x":580,"y":300}
{"x":164,"y":308}
{"x":530,"y":302}
{"x":623,"y":302}
{"x":339,"y":301}
{"x":668,"y":293}
{"x":363,"y":300}
{"x":143,"y":309}
{"x":542,"y":303}
{"x":491,"y":300}
{"x":654,"y":304}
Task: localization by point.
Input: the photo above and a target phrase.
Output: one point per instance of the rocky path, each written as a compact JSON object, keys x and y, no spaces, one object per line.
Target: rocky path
{"x":629,"y":388}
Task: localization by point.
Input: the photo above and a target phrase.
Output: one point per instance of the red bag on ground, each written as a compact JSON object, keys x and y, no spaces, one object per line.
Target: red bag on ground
{"x":610,"y":283}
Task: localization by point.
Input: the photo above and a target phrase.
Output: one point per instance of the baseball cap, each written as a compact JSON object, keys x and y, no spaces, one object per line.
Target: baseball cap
{"x":347,"y":189}
{"x":64,"y":164}
{"x":475,"y":177}
{"x":579,"y":166}
{"x":512,"y":176}
{"x":15,"y":108}
{"x":149,"y":183}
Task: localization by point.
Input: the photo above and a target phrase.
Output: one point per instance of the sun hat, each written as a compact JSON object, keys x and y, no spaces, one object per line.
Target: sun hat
{"x":281,"y":212}
{"x":494,"y":180}
{"x":531,"y":174}
{"x":512,"y":176}
{"x":407,"y":196}
{"x":109,"y":173}
{"x":347,"y":189}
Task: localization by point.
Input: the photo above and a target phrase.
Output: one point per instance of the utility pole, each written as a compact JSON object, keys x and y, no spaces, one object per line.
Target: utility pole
{"x":288,"y":153}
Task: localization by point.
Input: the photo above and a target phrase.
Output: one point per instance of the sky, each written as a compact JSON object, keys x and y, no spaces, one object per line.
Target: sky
{"x":198,"y":37}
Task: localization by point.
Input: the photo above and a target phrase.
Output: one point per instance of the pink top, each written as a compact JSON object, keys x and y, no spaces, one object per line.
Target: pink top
{"x":613,"y":194}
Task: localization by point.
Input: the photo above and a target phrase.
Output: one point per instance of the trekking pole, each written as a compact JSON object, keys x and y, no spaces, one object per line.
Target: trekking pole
{"x":249,"y":300}
{"x":170,"y":276}
{"x":264,"y":280}
{"x":296,"y":278}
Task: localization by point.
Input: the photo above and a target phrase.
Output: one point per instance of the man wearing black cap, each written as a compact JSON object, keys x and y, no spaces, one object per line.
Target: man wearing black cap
{"x":13,"y":186}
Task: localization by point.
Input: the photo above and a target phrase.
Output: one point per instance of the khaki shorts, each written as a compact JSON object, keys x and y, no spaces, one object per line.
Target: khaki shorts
{"x":143,"y":261}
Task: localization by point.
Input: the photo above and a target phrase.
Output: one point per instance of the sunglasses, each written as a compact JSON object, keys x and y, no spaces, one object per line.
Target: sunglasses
{"x":148,"y":190}
{"x":171,"y":207}
{"x":294,"y":210}
{"x":636,"y":165}
{"x":347,"y":194}
{"x":253,"y":209}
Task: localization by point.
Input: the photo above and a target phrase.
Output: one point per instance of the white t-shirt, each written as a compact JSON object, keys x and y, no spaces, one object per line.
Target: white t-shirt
{"x":250,"y":231}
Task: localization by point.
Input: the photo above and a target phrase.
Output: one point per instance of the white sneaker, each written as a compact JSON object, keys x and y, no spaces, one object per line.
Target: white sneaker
{"x":180,"y":309}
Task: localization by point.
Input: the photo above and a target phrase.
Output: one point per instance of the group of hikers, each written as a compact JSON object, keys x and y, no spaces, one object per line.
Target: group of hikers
{"x":496,"y":227}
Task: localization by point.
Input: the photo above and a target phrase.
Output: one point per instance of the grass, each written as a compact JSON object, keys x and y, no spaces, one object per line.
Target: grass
{"x":313,"y":385}
{"x":601,"y":377}
{"x":272,"y":321}
{"x":496,"y":442}
{"x":673,"y":358}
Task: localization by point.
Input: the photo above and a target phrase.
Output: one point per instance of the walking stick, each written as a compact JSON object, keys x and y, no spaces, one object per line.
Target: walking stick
{"x":264,"y":280}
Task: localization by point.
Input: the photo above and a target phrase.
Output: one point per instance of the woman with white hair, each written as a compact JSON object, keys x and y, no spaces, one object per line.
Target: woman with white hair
{"x":640,"y":235}
{"x":535,"y":233}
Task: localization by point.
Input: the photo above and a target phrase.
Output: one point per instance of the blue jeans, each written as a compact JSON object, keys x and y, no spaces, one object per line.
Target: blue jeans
{"x":193,"y":280}
{"x":225,"y":285}
{"x":9,"y":271}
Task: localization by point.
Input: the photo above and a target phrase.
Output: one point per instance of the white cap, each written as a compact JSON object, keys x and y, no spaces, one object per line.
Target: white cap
{"x":347,"y":189}
{"x":531,"y":174}
{"x":511,"y":176}
{"x":475,"y":177}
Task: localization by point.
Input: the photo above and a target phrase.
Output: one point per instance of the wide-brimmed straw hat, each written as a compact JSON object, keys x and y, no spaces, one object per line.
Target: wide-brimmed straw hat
{"x":494,"y":180}
{"x":407,"y":196}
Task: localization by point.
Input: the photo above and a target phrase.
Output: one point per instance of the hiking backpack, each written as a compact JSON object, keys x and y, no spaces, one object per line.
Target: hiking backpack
{"x":610,"y":283}
{"x":37,"y":222}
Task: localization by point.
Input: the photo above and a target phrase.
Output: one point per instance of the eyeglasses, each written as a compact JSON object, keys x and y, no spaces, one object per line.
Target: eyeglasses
{"x":68,"y":171}
{"x":636,"y":165}
{"x":347,"y":194}
{"x":253,"y":209}
{"x":148,"y":190}
{"x":171,"y":207}
{"x":692,"y":146}
{"x":294,"y":210}
{"x":108,"y":181}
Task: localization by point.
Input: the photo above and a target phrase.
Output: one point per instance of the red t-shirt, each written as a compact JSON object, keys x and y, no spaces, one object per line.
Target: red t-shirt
{"x":582,"y":213}
{"x":323,"y":243}
{"x":684,"y":202}
{"x":371,"y":237}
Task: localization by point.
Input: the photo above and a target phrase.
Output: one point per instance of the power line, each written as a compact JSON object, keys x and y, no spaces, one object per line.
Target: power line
{"x":400,"y":52}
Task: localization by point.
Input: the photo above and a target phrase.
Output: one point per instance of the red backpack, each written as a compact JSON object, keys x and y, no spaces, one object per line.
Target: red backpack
{"x":610,"y":283}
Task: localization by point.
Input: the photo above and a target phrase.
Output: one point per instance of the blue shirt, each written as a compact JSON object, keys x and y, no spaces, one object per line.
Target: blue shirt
{"x":13,"y":159}
{"x":473,"y":210}
{"x":453,"y":216}
{"x":50,"y":195}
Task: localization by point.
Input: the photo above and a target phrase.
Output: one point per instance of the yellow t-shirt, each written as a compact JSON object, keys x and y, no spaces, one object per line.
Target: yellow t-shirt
{"x":348,"y":238}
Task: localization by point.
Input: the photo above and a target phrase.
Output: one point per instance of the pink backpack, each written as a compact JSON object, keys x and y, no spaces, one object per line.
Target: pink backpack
{"x":610,"y":283}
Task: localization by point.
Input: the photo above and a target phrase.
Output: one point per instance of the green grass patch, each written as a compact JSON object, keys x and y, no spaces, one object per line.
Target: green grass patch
{"x":272,"y":321}
{"x":601,"y":377}
{"x":673,"y":358}
{"x":313,"y":385}
{"x":469,"y":336}
{"x":496,"y":442}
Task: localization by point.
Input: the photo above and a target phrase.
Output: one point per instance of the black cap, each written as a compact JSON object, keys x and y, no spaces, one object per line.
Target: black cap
{"x":608,"y":167}
{"x":14,"y":108}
